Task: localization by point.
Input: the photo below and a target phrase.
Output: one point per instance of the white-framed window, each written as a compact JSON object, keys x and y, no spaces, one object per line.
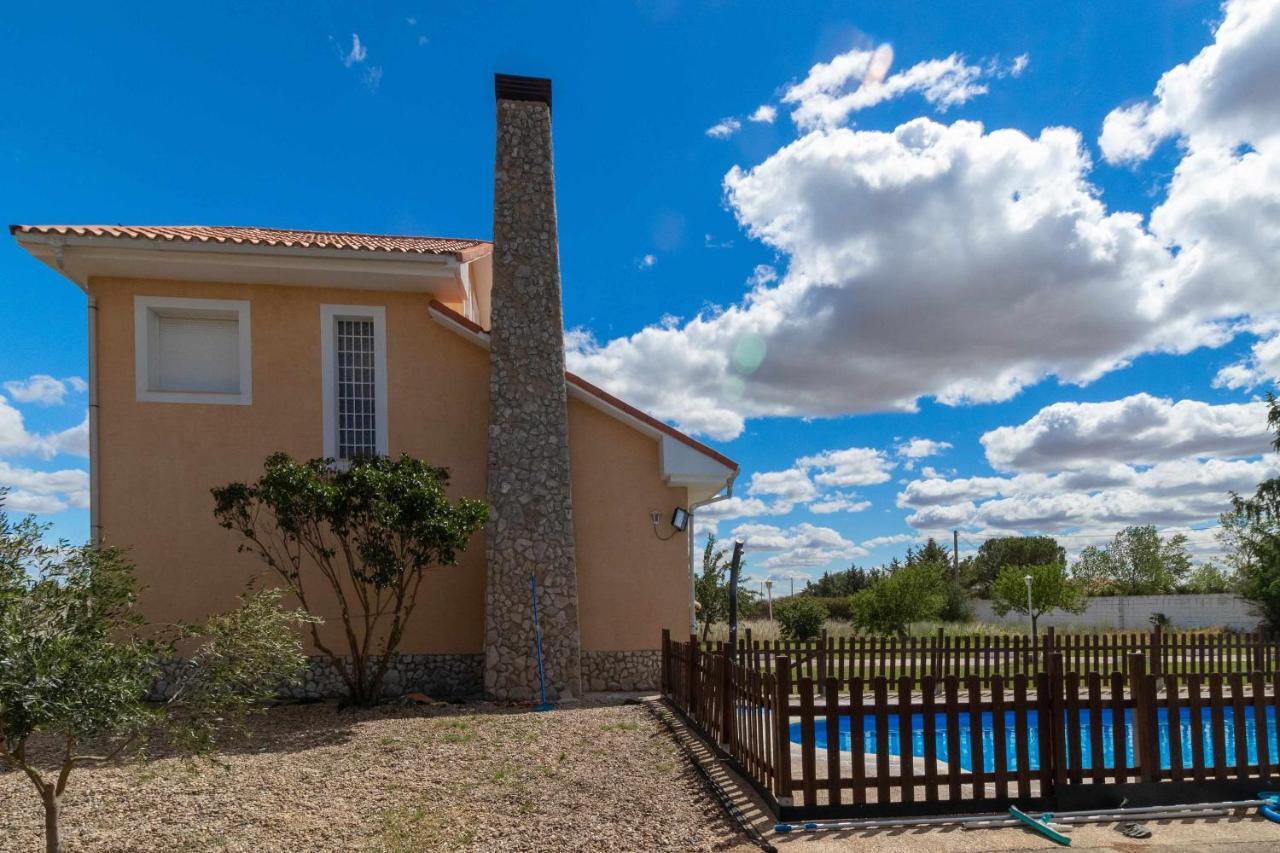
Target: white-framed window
{"x":192,"y":350}
{"x":353,"y":369}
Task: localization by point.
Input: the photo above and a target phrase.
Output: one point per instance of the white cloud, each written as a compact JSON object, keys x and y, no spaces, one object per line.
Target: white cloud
{"x":838,"y":503}
{"x":900,"y":247}
{"x":893,"y":539}
{"x":800,"y":546}
{"x":920,"y":448}
{"x":724,"y":128}
{"x":853,"y":466}
{"x":788,"y":487}
{"x":1261,"y":367}
{"x":15,"y":440}
{"x":647,"y":261}
{"x":1019,"y":64}
{"x":765,"y":114}
{"x":1138,"y":429}
{"x":824,"y":98}
{"x":43,"y":491}
{"x":357,"y":53}
{"x":44,"y":389}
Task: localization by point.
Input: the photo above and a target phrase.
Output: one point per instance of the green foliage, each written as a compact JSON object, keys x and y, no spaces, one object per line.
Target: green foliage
{"x":904,"y":594}
{"x":1208,"y":578}
{"x":1138,"y":561}
{"x":996,"y":553}
{"x":1251,"y":533}
{"x":800,"y":617}
{"x":711,"y":588}
{"x":841,"y":584}
{"x":77,"y":661}
{"x":1052,"y":588}
{"x":367,"y":533}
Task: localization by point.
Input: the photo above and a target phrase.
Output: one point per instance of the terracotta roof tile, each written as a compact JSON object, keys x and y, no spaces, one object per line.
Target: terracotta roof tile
{"x":461,"y":249}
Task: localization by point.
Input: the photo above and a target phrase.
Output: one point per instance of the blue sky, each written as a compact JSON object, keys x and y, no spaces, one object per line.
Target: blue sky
{"x":879,"y":260}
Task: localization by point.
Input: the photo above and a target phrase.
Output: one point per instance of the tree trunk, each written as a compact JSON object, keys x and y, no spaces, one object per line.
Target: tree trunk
{"x":52,"y":805}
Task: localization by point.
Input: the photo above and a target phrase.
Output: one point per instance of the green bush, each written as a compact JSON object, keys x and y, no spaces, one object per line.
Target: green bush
{"x":906,"y":594}
{"x":800,"y":617}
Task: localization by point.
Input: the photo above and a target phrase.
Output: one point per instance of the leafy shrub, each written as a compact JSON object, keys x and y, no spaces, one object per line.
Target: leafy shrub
{"x":800,"y":617}
{"x":908,"y":593}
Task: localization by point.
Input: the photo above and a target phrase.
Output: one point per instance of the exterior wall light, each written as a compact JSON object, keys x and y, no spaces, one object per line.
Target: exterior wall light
{"x":679,"y":518}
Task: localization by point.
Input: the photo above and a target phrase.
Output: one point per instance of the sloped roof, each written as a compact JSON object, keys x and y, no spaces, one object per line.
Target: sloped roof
{"x":599,"y":393}
{"x":463,"y":250}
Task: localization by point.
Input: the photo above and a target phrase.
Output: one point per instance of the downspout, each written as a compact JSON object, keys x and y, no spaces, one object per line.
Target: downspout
{"x":693,"y":610}
{"x":95,"y":502}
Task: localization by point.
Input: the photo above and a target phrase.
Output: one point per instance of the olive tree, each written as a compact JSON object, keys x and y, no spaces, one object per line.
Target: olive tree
{"x":365,"y":534}
{"x":77,"y":663}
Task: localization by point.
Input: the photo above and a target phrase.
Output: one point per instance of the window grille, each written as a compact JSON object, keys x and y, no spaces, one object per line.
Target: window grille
{"x":355,"y":375}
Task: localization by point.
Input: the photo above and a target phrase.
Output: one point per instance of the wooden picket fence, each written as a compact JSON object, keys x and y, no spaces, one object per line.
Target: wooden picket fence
{"x":987,"y":656}
{"x":980,"y":744}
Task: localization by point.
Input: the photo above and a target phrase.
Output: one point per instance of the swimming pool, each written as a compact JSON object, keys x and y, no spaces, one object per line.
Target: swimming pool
{"x":1108,"y":741}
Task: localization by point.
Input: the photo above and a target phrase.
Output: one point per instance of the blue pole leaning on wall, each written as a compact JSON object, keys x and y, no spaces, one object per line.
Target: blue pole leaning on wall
{"x":543,"y":705}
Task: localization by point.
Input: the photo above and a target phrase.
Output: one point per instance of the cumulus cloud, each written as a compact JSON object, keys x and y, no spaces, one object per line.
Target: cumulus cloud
{"x":856,"y":80}
{"x":853,"y":466}
{"x":43,"y":491}
{"x":44,"y":389}
{"x":900,"y":248}
{"x":16,"y":440}
{"x":838,"y":503}
{"x":764,"y":114}
{"x":801,"y":546}
{"x":787,"y":487}
{"x":724,"y":128}
{"x":1138,"y":429}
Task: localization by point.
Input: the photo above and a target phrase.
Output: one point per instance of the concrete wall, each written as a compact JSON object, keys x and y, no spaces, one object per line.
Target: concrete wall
{"x":159,"y":460}
{"x":1134,"y":612}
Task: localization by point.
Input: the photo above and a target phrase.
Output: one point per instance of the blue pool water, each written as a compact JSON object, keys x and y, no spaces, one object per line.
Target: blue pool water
{"x":1108,"y":749}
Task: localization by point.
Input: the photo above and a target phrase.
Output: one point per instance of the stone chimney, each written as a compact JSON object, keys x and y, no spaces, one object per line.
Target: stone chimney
{"x":531,"y":528}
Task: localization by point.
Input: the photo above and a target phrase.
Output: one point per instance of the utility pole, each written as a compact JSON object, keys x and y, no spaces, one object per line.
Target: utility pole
{"x":768,"y":583}
{"x":955,"y":553}
{"x":793,"y":586}
{"x":734,"y":566}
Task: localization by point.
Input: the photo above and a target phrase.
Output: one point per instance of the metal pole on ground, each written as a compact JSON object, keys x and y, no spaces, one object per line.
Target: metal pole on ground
{"x":734,"y":565}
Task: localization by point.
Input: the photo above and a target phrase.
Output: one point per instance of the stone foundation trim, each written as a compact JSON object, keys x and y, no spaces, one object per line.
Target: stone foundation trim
{"x":624,"y":670}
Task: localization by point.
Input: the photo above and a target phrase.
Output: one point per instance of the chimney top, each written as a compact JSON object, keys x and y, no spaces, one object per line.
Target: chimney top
{"x":512,"y":87}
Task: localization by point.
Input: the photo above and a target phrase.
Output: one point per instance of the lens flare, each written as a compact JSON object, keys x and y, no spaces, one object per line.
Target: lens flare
{"x":878,"y":65}
{"x":748,"y":353}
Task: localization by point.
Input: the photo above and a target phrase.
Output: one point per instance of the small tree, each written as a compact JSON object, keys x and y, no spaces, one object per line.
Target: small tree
{"x":1251,"y":533}
{"x":1051,"y":589}
{"x":76,"y":667}
{"x":800,"y":617}
{"x":711,"y":588}
{"x":904,"y":594}
{"x":1208,"y":578}
{"x":367,"y":533}
{"x":1138,"y":561}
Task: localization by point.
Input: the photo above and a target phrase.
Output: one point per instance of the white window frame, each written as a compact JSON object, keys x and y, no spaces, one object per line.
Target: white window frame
{"x":329,"y":315}
{"x":146,"y":313}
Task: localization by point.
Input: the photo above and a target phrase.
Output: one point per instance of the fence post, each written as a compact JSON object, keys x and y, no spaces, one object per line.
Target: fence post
{"x":1259,"y":652}
{"x":935,"y":659}
{"x":727,"y":703}
{"x":1157,"y":651}
{"x":695,"y":655}
{"x":822,"y":661}
{"x":782,"y":730}
{"x":1047,"y":648}
{"x":1144,"y":720}
{"x":667,"y":686}
{"x":1057,"y":730}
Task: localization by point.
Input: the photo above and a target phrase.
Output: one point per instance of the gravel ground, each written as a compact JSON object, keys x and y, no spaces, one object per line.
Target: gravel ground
{"x":474,"y":777}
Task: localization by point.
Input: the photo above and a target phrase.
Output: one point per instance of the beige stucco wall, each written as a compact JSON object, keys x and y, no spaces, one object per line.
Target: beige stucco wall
{"x":157,"y":462}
